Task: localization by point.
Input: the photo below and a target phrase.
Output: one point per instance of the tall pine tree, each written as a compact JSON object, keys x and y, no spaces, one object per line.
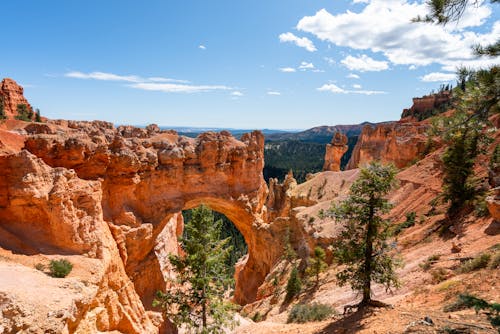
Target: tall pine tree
{"x":362,"y":245}
{"x":197,"y":299}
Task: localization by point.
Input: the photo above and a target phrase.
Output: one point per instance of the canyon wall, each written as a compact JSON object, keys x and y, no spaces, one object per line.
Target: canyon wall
{"x":400,"y":143}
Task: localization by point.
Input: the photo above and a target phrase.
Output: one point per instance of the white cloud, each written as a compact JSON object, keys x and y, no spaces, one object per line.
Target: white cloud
{"x":384,"y":26}
{"x":161,"y":79}
{"x":360,"y":1}
{"x":303,"y":42}
{"x":438,"y":77}
{"x":287,"y":69}
{"x":353,"y":76}
{"x":106,"y":76}
{"x":151,"y":84}
{"x":103,"y":76}
{"x":332,"y":88}
{"x":177,"y":88}
{"x":356,"y":86}
{"x":237,"y":93}
{"x":273,"y":93}
{"x":202,"y":47}
{"x":306,"y":66}
{"x":364,"y":64}
{"x":412,"y":67}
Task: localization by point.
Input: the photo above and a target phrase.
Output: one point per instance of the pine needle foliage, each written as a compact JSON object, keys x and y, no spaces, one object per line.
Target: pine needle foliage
{"x":466,"y":135}
{"x":294,"y":284}
{"x":2,"y":109}
{"x":317,"y":265}
{"x":363,"y":243}
{"x":197,"y":298}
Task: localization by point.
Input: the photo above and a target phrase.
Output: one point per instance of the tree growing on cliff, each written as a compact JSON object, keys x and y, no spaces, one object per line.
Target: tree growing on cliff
{"x":197,"y":300}
{"x":362,"y":245}
{"x":24,"y":113}
{"x":466,"y":134}
{"x":38,"y":116}
{"x":2,"y":110}
{"x":317,"y":265}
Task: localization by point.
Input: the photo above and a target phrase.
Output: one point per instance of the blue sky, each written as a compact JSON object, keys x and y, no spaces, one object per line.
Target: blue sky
{"x":281,"y":64}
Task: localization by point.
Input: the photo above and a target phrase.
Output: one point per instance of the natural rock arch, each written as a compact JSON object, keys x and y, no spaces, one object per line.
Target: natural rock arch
{"x":149,"y":176}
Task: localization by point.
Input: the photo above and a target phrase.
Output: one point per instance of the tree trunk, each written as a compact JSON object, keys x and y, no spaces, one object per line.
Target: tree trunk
{"x":204,"y":314}
{"x":368,"y":256}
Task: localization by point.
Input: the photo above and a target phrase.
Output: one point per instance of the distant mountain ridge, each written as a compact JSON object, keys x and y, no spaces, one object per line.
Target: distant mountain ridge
{"x":321,"y":134}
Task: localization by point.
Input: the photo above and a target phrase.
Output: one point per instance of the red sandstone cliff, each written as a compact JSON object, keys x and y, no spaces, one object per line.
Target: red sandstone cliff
{"x":334,"y":152}
{"x":399,"y":143}
{"x":12,"y":95}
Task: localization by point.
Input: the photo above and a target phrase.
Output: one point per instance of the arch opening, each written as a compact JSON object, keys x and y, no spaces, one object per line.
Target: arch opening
{"x":239,"y":247}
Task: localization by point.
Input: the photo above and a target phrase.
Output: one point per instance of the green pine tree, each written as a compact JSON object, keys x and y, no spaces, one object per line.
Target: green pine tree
{"x":465,"y":134}
{"x":362,"y":245}
{"x":197,"y":298}
{"x":38,"y":117}
{"x":24,"y":113}
{"x":294,"y":284}
{"x":317,"y":265}
{"x":2,"y":110}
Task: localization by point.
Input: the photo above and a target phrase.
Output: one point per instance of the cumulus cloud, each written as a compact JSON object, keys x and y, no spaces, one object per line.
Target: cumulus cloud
{"x":438,"y":77}
{"x":384,"y":26}
{"x":273,"y":93}
{"x":352,"y":76}
{"x":237,"y":93}
{"x":356,"y":86}
{"x":202,"y":47}
{"x":287,"y":69}
{"x":304,"y":66}
{"x":160,"y":84}
{"x":302,"y":42}
{"x":332,"y":88}
{"x":364,"y":64}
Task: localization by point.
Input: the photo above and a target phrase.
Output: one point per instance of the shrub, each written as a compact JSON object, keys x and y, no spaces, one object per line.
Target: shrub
{"x":479,"y":262}
{"x":439,"y":275}
{"x":257,"y":317}
{"x":294,"y":284}
{"x":24,"y":113}
{"x":301,"y":313}
{"x":410,"y":221}
{"x":427,"y":264}
{"x":495,"y":260}
{"x":40,"y":266}
{"x":60,"y":268}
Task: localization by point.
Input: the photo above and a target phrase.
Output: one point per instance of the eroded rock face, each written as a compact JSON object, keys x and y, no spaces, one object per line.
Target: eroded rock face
{"x":424,"y":106}
{"x":51,"y":212}
{"x":12,"y":95}
{"x":334,"y":152}
{"x":399,"y":143}
{"x":149,"y":176}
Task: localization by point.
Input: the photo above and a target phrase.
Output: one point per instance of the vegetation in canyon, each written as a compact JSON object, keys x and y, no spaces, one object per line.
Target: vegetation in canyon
{"x":363,"y":244}
{"x":197,"y":300}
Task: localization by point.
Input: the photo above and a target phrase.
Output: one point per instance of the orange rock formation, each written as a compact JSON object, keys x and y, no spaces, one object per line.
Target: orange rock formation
{"x":398,"y":142}
{"x":334,"y":152}
{"x":12,"y":95}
